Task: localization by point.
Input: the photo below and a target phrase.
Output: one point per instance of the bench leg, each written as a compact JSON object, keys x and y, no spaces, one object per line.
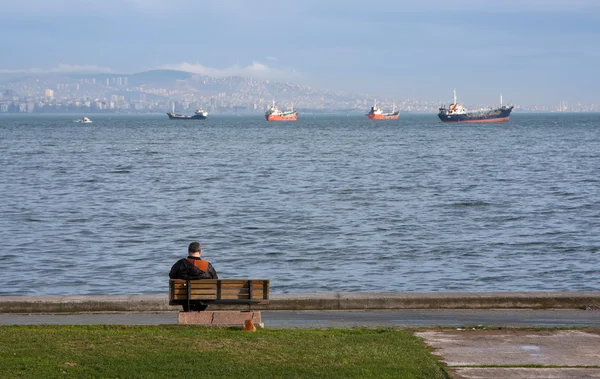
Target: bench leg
{"x":194,"y":307}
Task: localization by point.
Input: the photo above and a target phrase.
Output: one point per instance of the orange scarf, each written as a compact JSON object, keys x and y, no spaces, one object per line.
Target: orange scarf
{"x":200,"y":263}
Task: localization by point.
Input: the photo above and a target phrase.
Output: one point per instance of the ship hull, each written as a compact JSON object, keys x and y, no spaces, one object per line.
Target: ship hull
{"x":504,"y":119}
{"x":293,"y":117}
{"x":173,"y":116}
{"x":495,"y":115}
{"x":390,"y":116}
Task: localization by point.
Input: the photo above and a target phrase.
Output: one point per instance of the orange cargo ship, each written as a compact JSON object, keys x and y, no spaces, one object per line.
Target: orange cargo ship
{"x":274,"y":114}
{"x":377,"y":114}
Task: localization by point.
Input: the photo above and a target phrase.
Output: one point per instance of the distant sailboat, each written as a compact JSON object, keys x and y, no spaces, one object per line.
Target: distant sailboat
{"x":85,"y":120}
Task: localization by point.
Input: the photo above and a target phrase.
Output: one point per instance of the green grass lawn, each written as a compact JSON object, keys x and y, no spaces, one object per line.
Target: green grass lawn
{"x":169,"y":351}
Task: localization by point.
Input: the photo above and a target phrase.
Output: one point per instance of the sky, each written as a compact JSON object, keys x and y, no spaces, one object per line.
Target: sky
{"x":530,"y":51}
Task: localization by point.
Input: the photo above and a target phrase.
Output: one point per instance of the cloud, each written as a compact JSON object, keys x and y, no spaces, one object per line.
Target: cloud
{"x":256,"y":70}
{"x":61,"y":68}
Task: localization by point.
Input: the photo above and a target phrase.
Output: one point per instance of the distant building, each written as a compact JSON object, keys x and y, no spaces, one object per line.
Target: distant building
{"x":49,"y":94}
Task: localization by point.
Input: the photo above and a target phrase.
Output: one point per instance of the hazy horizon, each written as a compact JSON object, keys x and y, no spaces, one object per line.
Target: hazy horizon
{"x":532,"y":51}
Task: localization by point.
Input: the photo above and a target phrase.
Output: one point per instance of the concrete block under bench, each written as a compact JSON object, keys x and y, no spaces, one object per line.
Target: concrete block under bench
{"x":220,"y":318}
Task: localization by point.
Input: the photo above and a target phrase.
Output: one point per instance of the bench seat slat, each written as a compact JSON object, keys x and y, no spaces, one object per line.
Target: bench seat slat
{"x":229,"y":297}
{"x":200,"y":285}
{"x":223,"y":287}
{"x":214,"y":292}
{"x":197,"y":293}
{"x":214,"y":296}
{"x":214,"y":281}
{"x":185,"y":290}
{"x":239,"y":290}
{"x":222,"y":301}
{"x":241,"y":285}
{"x":203,"y":297}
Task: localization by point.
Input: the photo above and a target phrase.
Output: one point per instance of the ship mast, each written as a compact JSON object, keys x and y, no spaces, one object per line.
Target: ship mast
{"x":454,"y":96}
{"x":500,"y":99}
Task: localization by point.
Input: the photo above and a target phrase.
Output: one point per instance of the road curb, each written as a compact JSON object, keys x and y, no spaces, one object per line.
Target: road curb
{"x":322,"y":301}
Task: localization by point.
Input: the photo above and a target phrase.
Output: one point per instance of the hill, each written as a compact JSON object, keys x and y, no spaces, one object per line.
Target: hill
{"x":172,"y":85}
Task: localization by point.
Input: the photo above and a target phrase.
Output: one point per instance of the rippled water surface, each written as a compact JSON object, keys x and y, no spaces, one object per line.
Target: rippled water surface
{"x":323,"y":204}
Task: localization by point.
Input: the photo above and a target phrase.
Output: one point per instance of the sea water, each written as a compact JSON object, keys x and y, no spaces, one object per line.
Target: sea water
{"x":323,"y":204}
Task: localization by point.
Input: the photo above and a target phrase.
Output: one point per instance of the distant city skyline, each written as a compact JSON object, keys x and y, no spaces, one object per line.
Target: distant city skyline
{"x":530,"y":51}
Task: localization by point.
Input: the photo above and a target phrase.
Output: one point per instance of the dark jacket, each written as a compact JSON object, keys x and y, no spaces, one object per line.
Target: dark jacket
{"x":183,"y":269}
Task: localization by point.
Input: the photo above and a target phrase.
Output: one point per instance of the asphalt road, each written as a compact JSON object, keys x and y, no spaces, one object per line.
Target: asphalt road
{"x":344,"y":319}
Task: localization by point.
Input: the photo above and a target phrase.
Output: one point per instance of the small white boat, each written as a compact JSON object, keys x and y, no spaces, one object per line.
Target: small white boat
{"x":85,"y":120}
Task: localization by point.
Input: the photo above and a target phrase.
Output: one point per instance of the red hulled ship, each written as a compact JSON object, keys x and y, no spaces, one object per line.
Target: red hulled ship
{"x":377,"y":114}
{"x":274,"y":114}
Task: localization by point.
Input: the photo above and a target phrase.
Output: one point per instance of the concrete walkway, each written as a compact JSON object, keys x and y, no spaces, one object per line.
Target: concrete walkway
{"x":475,"y":335}
{"x":517,"y":353}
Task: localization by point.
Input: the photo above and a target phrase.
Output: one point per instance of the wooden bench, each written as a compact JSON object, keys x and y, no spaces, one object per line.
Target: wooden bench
{"x":218,"y":291}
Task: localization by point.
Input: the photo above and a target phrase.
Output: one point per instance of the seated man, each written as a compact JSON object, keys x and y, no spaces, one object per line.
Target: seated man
{"x":193,"y":267}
